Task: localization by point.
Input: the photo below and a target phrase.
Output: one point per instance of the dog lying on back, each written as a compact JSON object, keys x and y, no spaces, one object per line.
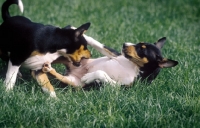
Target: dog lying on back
{"x":143,"y":60}
{"x":28,"y":44}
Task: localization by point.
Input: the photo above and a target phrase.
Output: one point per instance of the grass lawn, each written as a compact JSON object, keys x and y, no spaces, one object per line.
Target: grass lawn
{"x":172,"y":100}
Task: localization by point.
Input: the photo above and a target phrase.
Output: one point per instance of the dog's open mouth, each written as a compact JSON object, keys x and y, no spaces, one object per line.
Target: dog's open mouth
{"x":77,"y":64}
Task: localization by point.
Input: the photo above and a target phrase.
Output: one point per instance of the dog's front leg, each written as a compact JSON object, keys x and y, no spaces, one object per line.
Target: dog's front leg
{"x":109,"y":52}
{"x":98,"y":75}
{"x":43,"y":80}
{"x":11,"y":76}
{"x":70,"y":80}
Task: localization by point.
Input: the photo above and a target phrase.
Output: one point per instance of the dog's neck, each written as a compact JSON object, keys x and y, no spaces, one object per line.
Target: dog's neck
{"x":148,"y":74}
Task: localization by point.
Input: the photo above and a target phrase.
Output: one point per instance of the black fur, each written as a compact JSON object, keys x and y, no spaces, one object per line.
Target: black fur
{"x":20,"y":37}
{"x":153,"y":55}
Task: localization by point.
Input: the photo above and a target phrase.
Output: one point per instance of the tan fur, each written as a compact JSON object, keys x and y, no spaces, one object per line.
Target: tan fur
{"x":34,"y":53}
{"x":130,"y":50}
{"x":143,"y":46}
{"x":79,"y":54}
{"x":43,"y":80}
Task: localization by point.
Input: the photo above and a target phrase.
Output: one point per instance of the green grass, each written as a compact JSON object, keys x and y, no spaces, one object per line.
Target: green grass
{"x":172,"y":100}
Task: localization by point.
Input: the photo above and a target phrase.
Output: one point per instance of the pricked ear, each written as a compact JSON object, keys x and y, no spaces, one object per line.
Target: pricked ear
{"x":160,"y":42}
{"x":80,"y":30}
{"x":167,"y":63}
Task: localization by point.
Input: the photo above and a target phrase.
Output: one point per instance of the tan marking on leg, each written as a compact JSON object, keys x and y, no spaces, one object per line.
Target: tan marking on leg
{"x":43,"y":80}
{"x":36,"y":53}
{"x":62,"y":78}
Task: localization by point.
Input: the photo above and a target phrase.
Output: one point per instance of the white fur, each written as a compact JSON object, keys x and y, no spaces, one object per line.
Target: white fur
{"x":118,"y":70}
{"x":128,"y":44}
{"x":36,"y":62}
{"x":11,"y":76}
{"x":98,"y":75}
{"x":20,"y":5}
{"x":98,"y":46}
{"x":52,"y":93}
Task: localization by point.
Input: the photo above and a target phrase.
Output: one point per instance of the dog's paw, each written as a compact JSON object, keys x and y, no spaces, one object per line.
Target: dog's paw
{"x":97,"y":75}
{"x":47,"y":67}
{"x":53,"y":94}
{"x":9,"y":85}
{"x":88,"y":78}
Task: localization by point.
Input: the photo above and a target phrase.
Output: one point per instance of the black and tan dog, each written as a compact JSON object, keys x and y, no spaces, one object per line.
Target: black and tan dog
{"x":142,"y":60}
{"x":29,"y":44}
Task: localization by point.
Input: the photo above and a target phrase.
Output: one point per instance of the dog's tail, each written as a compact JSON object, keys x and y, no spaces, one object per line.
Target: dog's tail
{"x":4,"y":10}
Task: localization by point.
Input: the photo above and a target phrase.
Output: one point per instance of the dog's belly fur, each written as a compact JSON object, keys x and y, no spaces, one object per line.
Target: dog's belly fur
{"x":36,"y":62}
{"x":119,"y":69}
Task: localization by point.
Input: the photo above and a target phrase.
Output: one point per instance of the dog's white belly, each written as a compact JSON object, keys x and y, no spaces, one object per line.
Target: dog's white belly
{"x":36,"y":62}
{"x":119,"y":69}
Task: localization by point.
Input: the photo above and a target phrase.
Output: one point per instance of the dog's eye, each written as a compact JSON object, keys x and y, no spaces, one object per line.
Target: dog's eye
{"x":159,"y":58}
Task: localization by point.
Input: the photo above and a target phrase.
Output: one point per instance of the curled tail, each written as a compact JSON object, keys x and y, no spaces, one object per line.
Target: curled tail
{"x":4,"y":10}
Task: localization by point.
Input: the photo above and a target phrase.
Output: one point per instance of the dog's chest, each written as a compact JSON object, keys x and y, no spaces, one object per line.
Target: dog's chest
{"x":36,"y":62}
{"x":119,"y":69}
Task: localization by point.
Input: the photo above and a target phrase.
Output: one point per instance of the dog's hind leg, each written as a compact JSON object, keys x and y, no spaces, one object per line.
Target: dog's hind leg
{"x":98,"y":75}
{"x":11,"y":75}
{"x":43,"y":81}
{"x":69,"y":79}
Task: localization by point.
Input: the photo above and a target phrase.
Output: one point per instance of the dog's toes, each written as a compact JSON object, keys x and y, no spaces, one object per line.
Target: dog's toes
{"x":9,"y":87}
{"x":87,"y":78}
{"x":47,"y":67}
{"x":53,"y":94}
{"x":47,"y":64}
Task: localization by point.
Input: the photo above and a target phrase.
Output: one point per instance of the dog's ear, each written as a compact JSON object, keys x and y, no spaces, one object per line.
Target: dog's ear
{"x":167,"y":63}
{"x":80,"y":30}
{"x":159,"y":44}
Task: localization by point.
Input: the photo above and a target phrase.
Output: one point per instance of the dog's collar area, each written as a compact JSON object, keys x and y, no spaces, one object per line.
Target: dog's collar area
{"x":148,"y":76}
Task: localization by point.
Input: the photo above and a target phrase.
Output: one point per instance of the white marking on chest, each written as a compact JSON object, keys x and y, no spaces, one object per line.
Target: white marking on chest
{"x":36,"y":62}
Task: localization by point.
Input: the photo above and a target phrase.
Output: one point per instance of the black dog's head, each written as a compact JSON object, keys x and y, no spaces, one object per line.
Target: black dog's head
{"x":148,"y":57}
{"x":78,"y":50}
